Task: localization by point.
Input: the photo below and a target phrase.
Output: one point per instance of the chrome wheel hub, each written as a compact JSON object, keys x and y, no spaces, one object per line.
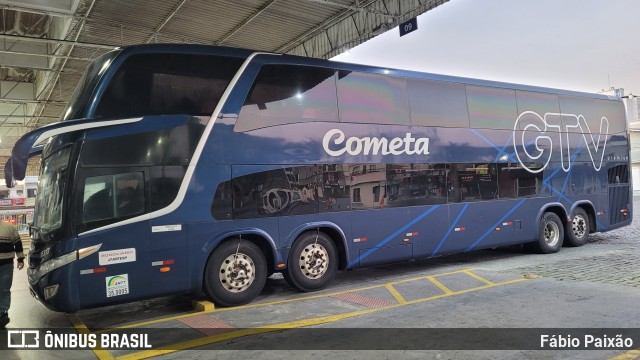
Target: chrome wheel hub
{"x":314,"y":261}
{"x":237,"y":272}
{"x":579,"y":226}
{"x":551,"y":233}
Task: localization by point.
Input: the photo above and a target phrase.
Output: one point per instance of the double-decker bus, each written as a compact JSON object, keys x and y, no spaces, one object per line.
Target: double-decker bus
{"x":184,"y":168}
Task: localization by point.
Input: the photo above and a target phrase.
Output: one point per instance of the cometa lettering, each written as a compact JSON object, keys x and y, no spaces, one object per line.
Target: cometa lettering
{"x":373,"y":145}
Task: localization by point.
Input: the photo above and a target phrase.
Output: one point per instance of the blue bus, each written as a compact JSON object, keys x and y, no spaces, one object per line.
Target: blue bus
{"x":185,"y":168}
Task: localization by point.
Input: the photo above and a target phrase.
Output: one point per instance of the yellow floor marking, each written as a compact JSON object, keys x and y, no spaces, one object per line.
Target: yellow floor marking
{"x":293,"y":324}
{"x":396,"y":295}
{"x":276,"y":302}
{"x":82,"y":329}
{"x":478,"y":277}
{"x":428,"y":276}
{"x":629,"y":355}
{"x":440,"y":286}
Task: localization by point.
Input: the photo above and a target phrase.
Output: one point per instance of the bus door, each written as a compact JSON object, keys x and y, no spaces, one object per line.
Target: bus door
{"x":116,"y":265}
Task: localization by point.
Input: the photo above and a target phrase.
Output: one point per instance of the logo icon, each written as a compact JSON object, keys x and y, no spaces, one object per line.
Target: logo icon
{"x":23,"y":339}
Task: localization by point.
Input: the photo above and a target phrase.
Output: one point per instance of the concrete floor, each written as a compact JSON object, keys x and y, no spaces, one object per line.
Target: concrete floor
{"x":594,"y":286}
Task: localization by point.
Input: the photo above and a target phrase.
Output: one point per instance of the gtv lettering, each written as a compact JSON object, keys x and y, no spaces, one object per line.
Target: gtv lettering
{"x":334,"y":144}
{"x":551,"y":127}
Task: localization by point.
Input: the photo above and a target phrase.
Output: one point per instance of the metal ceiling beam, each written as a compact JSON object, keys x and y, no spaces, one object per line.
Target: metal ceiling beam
{"x":35,"y":11}
{"x":165,"y":21}
{"x":251,"y":17}
{"x":29,"y":101}
{"x":64,"y":61}
{"x":309,"y":34}
{"x":352,"y":8}
{"x":46,"y":55}
{"x":56,"y":41}
{"x":60,"y":6}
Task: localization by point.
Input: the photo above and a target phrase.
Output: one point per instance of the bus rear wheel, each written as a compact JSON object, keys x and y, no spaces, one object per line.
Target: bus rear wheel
{"x":578,"y":229}
{"x":236,"y":273}
{"x":313,"y":261}
{"x":550,"y":235}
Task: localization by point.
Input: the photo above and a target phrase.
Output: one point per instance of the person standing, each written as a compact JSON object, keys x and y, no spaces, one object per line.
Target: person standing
{"x":10,"y":247}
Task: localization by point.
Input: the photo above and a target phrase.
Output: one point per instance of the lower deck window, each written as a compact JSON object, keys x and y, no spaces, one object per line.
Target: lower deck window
{"x":109,"y":198}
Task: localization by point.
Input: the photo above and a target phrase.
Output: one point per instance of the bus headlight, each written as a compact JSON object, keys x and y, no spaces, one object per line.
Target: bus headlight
{"x":50,"y":265}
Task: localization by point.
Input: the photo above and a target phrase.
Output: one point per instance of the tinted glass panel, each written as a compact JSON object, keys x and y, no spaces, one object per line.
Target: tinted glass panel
{"x":335,"y":189}
{"x":162,"y":84}
{"x":540,"y":103}
{"x":290,"y":191}
{"x":491,"y":108}
{"x":371,"y":98}
{"x":435,"y":103}
{"x":222,"y":207}
{"x":82,"y":94}
{"x":515,"y":181}
{"x":416,"y":184}
{"x":572,"y":107}
{"x":164,"y":147}
{"x":614,"y":111}
{"x":473,"y":182}
{"x":367,"y":186}
{"x":109,"y":198}
{"x":618,"y":174}
{"x":285,"y":94}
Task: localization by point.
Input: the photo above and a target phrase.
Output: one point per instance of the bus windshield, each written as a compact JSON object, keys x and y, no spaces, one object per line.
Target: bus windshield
{"x":49,"y":202}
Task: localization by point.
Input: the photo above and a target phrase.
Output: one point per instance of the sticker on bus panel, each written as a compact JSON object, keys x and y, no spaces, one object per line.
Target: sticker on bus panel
{"x":117,"y":256}
{"x":117,"y":285}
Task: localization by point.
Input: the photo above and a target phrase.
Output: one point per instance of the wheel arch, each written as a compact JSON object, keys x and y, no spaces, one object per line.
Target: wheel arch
{"x":257,"y":236}
{"x":332,"y":230}
{"x":556,"y":208}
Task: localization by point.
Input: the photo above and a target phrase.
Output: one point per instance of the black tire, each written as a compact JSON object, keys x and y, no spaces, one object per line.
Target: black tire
{"x":250,"y":259}
{"x":308,"y":246}
{"x":577,"y":231}
{"x":550,"y":241}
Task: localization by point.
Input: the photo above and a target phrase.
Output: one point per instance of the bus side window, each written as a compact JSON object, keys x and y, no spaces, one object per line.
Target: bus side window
{"x":372,"y":98}
{"x":287,"y":94}
{"x":491,"y":108}
{"x":473,"y":182}
{"x":437,"y":103}
{"x":110,"y":198}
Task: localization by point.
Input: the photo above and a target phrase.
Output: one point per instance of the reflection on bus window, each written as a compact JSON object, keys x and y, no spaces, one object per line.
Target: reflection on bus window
{"x":113,"y":197}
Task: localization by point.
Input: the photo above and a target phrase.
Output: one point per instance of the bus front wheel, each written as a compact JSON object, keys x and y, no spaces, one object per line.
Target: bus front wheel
{"x":313,"y":261}
{"x":578,"y":229}
{"x":236,"y":273}
{"x":550,"y":235}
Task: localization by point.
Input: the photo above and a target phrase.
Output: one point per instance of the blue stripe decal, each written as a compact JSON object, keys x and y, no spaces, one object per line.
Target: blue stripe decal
{"x":392,"y":236}
{"x":453,"y":225}
{"x":494,"y":225}
{"x":500,"y":151}
{"x":504,"y":148}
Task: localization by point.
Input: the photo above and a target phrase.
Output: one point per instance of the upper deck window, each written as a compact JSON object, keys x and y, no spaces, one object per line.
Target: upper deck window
{"x":437,"y":103}
{"x":372,"y":98}
{"x":491,"y":108}
{"x":165,"y":84}
{"x":286,"y":94}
